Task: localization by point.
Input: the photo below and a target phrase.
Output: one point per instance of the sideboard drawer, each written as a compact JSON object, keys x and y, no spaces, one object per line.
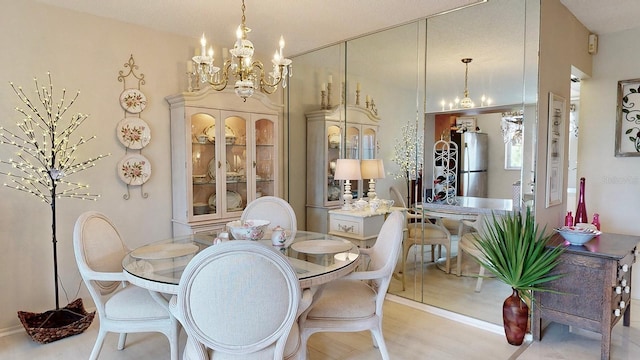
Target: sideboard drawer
{"x":348,"y":226}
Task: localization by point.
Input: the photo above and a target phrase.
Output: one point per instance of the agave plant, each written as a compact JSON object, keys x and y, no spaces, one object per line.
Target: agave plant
{"x":515,"y":250}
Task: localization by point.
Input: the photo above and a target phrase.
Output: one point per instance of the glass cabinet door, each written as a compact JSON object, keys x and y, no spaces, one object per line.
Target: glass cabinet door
{"x":203,"y":164}
{"x":334,"y":140}
{"x":368,"y":143}
{"x":236,"y":166}
{"x":264,"y":163}
{"x":353,"y":152}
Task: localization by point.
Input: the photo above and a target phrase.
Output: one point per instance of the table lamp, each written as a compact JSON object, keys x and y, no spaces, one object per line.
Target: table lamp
{"x":372,"y":169}
{"x":347,"y":170}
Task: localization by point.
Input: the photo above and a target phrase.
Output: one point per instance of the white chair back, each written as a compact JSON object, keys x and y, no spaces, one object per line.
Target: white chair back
{"x":274,"y":209}
{"x":98,"y":248}
{"x":122,"y":308}
{"x":385,"y":251}
{"x":397,"y":197}
{"x":239,"y":298}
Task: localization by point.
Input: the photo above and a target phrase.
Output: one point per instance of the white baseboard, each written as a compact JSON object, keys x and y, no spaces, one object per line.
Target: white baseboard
{"x":497,"y":329}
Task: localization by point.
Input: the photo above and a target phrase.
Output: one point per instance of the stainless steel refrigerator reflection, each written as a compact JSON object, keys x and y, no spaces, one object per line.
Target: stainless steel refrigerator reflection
{"x":473,"y":158}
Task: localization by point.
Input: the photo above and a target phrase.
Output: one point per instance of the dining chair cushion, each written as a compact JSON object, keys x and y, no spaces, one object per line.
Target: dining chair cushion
{"x":416,"y":230}
{"x":134,"y":302}
{"x":345,"y":300}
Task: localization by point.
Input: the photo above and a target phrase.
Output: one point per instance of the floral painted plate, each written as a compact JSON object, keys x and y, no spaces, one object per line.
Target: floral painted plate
{"x":133,"y":133}
{"x":133,"y":100}
{"x":234,"y":201}
{"x":134,"y":169}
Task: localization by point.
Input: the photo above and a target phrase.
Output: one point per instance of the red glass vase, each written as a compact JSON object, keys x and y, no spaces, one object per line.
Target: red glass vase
{"x":581,"y":211}
{"x":515,"y":315}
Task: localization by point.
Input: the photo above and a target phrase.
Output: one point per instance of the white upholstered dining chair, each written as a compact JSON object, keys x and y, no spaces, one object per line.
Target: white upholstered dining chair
{"x":278,"y":211}
{"x":122,"y":308}
{"x":468,"y":244}
{"x":354,"y":302}
{"x":238,"y":300}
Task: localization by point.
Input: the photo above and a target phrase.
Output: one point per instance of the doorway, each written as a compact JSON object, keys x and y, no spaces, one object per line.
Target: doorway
{"x":572,"y":167}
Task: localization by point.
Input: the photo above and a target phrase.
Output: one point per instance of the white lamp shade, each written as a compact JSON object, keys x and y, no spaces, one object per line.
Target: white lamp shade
{"x":347,"y":169}
{"x":372,"y":169}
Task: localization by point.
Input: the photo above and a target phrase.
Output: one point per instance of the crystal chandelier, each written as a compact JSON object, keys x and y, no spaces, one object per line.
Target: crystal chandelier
{"x":511,"y":127}
{"x":249,"y":74}
{"x":466,"y":102}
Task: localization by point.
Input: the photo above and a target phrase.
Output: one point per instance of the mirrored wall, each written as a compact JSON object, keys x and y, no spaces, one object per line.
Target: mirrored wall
{"x":409,"y":77}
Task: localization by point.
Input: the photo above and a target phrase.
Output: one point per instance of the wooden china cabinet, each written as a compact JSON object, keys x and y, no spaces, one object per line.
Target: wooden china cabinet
{"x":349,"y":132}
{"x":224,"y":153}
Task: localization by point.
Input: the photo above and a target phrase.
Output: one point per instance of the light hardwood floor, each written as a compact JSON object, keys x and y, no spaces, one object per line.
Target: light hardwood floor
{"x":411,"y":332}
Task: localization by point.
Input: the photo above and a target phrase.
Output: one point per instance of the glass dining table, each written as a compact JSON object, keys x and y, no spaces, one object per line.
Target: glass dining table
{"x":317,"y":258}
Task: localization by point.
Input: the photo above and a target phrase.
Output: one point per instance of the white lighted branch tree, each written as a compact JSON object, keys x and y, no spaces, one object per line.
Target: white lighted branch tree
{"x":409,"y":153}
{"x":45,"y":154}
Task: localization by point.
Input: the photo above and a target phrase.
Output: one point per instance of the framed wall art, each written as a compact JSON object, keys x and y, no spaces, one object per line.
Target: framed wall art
{"x":628,"y":118}
{"x":555,"y":149}
{"x":467,"y":123}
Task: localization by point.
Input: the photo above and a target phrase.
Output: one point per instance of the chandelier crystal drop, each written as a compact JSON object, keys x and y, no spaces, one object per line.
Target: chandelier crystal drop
{"x":249,"y":74}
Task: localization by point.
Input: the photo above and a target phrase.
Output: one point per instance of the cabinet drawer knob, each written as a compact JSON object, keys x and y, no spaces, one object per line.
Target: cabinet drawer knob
{"x":616,"y":312}
{"x":627,"y":289}
{"x":618,"y":290}
{"x":625,"y":268}
{"x":622,"y":304}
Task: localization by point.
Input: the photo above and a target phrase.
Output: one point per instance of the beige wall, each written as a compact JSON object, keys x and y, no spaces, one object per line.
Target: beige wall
{"x":612,"y":183}
{"x":82,"y":53}
{"x":563,"y":43}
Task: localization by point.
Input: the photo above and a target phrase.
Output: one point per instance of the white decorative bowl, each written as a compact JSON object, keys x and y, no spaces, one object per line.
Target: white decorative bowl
{"x":248,"y":230}
{"x":577,"y":235}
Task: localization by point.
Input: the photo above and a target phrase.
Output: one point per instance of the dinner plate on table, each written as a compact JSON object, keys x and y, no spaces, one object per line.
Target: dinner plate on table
{"x":318,"y":247}
{"x":164,"y":251}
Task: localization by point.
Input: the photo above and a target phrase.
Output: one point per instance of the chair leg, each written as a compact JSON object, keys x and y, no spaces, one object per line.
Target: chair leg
{"x":459,"y":260}
{"x":448,"y":259}
{"x":98,"y":345}
{"x":122,"y":339}
{"x":480,"y":278}
{"x":405,"y":253}
{"x":378,"y":341}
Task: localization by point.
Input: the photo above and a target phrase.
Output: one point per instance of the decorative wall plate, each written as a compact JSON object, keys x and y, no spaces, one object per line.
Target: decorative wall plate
{"x":133,"y":132}
{"x":133,"y":100}
{"x":134,"y":169}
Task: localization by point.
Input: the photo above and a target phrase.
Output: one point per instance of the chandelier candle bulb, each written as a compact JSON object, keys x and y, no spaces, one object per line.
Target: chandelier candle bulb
{"x":203,"y":45}
{"x":281,"y":43}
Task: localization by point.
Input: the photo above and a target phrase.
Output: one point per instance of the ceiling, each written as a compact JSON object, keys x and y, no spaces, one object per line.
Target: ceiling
{"x":322,"y":23}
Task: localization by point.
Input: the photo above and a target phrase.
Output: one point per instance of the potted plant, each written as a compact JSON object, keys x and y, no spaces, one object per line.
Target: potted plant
{"x":515,"y":250}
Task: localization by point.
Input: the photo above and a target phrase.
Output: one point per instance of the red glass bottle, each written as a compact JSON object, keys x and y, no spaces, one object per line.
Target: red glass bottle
{"x":581,"y":211}
{"x":596,"y":220}
{"x":568,"y":220}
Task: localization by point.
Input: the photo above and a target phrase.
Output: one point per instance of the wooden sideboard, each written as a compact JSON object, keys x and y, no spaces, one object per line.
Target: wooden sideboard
{"x":596,"y":289}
